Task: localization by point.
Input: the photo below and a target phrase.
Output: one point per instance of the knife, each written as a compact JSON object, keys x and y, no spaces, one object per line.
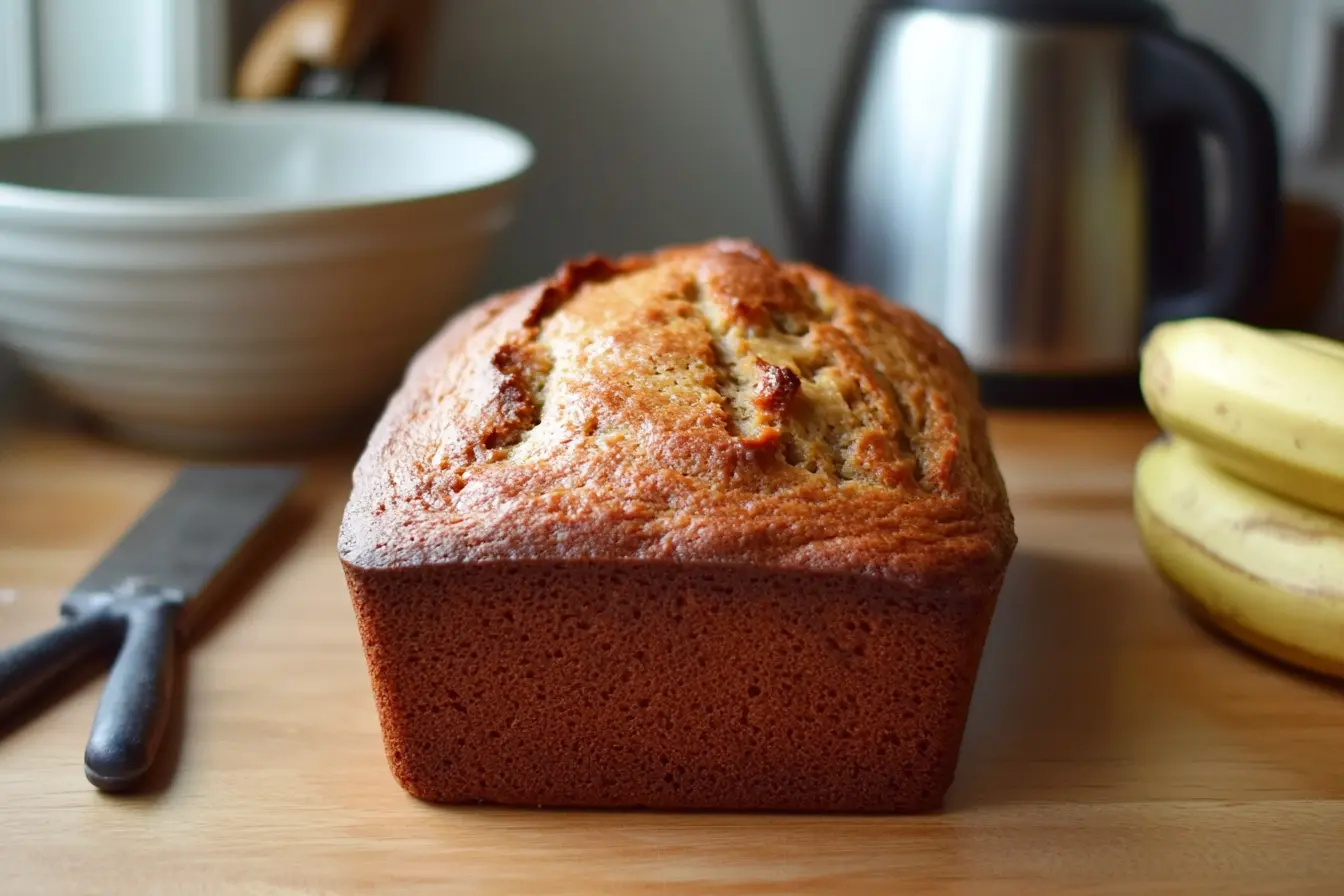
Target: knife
{"x":143,"y":595}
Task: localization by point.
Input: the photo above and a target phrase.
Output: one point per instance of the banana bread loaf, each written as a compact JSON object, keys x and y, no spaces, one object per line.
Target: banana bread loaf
{"x":693,"y":529}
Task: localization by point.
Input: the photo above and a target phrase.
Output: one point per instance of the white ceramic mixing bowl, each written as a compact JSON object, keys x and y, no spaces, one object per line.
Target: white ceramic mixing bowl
{"x":252,"y":275}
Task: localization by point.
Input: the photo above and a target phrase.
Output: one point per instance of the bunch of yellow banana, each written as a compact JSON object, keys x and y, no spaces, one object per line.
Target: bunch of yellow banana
{"x":1241,"y":503}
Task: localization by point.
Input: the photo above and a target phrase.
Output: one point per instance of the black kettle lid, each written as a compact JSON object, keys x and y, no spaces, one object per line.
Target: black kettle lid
{"x":1138,"y":13}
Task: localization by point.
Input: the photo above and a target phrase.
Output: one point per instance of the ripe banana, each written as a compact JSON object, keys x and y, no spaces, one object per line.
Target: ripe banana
{"x":1267,"y":571}
{"x":1307,"y":340}
{"x":1265,"y":405}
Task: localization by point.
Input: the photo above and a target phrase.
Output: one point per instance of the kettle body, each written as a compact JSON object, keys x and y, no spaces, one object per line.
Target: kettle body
{"x":1027,"y":175}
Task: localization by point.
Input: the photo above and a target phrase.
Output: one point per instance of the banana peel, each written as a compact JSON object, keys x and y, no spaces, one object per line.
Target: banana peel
{"x":1267,"y":571}
{"x":1266,"y":406}
{"x":1241,"y":503}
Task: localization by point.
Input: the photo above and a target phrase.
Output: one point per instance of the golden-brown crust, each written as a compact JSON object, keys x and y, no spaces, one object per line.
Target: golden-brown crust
{"x":689,"y":529}
{"x":699,"y":404}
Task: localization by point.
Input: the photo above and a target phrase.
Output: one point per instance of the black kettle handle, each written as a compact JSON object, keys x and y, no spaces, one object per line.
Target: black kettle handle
{"x":1178,"y":79}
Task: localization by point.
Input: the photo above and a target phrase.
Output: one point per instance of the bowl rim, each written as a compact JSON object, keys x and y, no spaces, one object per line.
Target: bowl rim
{"x":25,"y":199}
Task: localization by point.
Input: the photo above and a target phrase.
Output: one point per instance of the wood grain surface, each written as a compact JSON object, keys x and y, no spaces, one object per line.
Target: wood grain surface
{"x":1114,"y":745}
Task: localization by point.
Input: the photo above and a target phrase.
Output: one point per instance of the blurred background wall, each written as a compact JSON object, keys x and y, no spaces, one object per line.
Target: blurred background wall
{"x":640,"y":108}
{"x":643,"y":119}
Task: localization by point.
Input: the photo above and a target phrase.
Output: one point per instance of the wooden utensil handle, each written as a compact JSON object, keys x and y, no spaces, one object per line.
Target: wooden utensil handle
{"x":338,"y":35}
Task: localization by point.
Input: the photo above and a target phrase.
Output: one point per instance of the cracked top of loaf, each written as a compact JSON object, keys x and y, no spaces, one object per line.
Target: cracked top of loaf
{"x":700,"y":404}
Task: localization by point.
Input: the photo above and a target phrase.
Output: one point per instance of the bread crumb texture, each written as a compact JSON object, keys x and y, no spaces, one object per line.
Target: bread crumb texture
{"x":638,"y":685}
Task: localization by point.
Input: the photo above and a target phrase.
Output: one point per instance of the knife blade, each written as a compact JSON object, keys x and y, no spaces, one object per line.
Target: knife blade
{"x":143,"y":592}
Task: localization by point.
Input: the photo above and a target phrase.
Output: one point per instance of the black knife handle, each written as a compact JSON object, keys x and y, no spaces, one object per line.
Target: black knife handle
{"x":29,"y":665}
{"x":136,"y":701}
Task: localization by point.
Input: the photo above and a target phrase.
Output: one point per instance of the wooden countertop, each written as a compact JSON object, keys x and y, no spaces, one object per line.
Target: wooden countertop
{"x":1114,"y":746}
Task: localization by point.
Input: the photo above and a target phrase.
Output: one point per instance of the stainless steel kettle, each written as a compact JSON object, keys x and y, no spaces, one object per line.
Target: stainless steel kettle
{"x":1028,"y":175}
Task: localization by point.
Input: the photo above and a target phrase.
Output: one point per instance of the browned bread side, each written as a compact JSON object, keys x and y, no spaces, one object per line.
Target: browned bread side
{"x":774,"y":465}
